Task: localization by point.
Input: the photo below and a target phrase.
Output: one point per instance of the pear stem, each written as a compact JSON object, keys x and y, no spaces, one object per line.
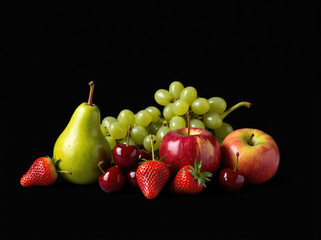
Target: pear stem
{"x":91,"y":93}
{"x":237,"y":161}
{"x":240,"y":104}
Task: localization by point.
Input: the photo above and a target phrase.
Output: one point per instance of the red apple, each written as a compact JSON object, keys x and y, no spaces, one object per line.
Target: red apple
{"x":259,"y":155}
{"x":181,"y":149}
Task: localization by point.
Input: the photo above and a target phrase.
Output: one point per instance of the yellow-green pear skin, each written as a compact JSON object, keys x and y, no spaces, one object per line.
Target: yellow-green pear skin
{"x":81,"y":146}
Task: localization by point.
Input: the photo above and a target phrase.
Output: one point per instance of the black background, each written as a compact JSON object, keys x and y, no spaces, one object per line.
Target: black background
{"x":261,"y":52}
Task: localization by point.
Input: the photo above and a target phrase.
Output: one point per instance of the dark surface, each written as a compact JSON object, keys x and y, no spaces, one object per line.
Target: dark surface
{"x":237,"y":51}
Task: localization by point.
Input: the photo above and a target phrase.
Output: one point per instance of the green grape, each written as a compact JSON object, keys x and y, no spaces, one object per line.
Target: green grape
{"x":217,"y":105}
{"x":143,"y":118}
{"x":162,"y":131}
{"x":106,"y":123}
{"x":177,"y":122}
{"x":155,"y":113}
{"x":163,"y":97}
{"x":138,"y":133}
{"x":117,"y":130}
{"x":111,"y":142}
{"x":103,"y":130}
{"x":168,"y":112}
{"x":175,"y":89}
{"x":200,"y":106}
{"x":124,"y":141}
{"x":180,"y":107}
{"x":189,"y":94}
{"x":127,"y":118}
{"x":154,"y":126}
{"x":212,"y":120}
{"x":223,"y":130}
{"x":196,"y":123}
{"x":148,"y":142}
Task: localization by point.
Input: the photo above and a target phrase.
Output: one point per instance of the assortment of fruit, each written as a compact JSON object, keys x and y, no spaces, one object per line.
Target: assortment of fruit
{"x":189,"y":136}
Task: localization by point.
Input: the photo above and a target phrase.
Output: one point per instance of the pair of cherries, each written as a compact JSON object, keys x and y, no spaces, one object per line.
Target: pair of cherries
{"x":125,"y":158}
{"x":231,"y":180}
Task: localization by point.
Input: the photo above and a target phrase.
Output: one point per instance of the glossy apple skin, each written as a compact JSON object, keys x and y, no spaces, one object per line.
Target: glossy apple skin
{"x":230,"y":180}
{"x":182,"y":149}
{"x":125,"y":156}
{"x":257,"y":163}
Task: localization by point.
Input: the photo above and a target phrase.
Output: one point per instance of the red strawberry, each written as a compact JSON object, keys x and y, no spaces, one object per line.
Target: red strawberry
{"x":152,"y":176}
{"x":190,"y":180}
{"x":41,"y":173}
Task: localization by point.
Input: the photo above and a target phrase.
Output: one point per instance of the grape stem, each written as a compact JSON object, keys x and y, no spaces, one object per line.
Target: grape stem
{"x":91,"y":93}
{"x":188,"y":122}
{"x":240,"y":104}
{"x":128,"y":131}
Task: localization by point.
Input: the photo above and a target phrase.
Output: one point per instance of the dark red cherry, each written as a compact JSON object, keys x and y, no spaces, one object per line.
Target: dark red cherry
{"x":231,"y":180}
{"x":113,"y":180}
{"x":125,"y":156}
{"x":131,"y":177}
{"x":145,"y":155}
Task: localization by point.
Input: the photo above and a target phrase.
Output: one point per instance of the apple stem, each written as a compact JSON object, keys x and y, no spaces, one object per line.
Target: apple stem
{"x":240,"y":104}
{"x":128,"y":131}
{"x":237,"y":161}
{"x":152,"y":142}
{"x":188,"y":122}
{"x":250,"y":140}
{"x":91,"y":93}
{"x":101,"y":162}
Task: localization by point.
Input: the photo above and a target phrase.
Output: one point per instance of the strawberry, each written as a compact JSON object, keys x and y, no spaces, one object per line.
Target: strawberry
{"x":190,"y":180}
{"x":41,"y":173}
{"x":152,"y":176}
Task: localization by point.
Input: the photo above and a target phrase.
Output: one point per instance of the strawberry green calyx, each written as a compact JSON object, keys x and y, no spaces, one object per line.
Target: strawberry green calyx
{"x":201,"y":177}
{"x":55,"y":162}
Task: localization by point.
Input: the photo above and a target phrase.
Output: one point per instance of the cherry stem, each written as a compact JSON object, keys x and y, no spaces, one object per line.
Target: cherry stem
{"x":188,"y":122}
{"x":237,"y":161}
{"x":63,"y":172}
{"x":250,"y":140}
{"x":240,"y":104}
{"x":101,"y":162}
{"x":91,"y":93}
{"x":128,"y":131}
{"x":152,"y":142}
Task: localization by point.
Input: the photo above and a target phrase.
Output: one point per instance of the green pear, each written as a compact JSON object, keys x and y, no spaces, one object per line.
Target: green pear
{"x":81,"y":146}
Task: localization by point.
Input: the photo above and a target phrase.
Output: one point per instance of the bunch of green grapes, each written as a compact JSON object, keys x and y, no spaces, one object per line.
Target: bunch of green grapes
{"x":140,"y":126}
{"x":179,"y":104}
